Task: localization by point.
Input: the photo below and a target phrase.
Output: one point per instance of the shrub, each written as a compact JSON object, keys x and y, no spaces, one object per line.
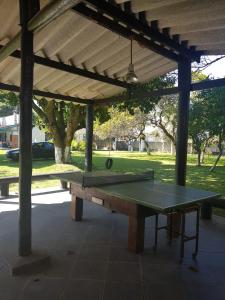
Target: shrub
{"x":78,"y":146}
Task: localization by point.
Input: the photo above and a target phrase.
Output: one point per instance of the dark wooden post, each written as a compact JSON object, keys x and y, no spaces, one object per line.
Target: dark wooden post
{"x":28,"y":8}
{"x":184,"y":86}
{"x":89,"y":136}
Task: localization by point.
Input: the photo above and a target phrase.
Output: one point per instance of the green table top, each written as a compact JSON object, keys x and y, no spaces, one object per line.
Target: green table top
{"x":159,"y":196}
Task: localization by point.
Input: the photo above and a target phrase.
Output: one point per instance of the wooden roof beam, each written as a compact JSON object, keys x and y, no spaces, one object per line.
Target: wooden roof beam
{"x":196,"y":86}
{"x":16,"y":89}
{"x":51,"y":11}
{"x":73,"y":70}
{"x":123,"y":31}
{"x":131,"y":21}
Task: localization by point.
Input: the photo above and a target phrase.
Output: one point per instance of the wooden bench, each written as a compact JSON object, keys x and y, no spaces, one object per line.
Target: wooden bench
{"x":6,"y":181}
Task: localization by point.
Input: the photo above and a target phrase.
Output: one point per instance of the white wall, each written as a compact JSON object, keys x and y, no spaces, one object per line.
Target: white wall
{"x":9,"y":120}
{"x":37,"y":135}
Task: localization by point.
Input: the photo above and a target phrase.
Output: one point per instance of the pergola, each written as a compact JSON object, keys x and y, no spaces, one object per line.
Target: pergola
{"x":78,"y":51}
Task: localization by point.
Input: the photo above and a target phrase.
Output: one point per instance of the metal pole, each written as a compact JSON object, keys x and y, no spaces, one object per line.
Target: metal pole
{"x":27,"y":9}
{"x":89,"y":136}
{"x":184,"y":87}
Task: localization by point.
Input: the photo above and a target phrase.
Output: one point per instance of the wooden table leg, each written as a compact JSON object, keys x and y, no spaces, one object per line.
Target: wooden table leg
{"x":206,"y":211}
{"x":176,"y":224}
{"x":76,"y":208}
{"x":136,"y":232}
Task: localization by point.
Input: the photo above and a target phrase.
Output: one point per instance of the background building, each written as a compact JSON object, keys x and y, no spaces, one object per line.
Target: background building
{"x":9,"y":132}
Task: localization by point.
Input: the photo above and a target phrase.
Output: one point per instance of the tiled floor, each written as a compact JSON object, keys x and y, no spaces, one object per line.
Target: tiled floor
{"x":90,"y":259}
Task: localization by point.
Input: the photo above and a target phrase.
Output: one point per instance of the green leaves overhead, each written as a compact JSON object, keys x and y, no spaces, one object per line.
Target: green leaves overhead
{"x":136,"y":97}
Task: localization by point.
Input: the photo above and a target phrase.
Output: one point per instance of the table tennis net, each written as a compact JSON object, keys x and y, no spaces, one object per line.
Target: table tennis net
{"x":101,"y":178}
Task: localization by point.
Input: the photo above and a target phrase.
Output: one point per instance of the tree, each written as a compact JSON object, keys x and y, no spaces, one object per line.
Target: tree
{"x":160,"y":112}
{"x":163,"y":113}
{"x":216,"y":111}
{"x":60,"y":120}
{"x":8,"y":103}
{"x":198,"y":129}
{"x":136,"y":96}
{"x":164,"y":116}
{"x":213,"y":101}
{"x":122,"y":124}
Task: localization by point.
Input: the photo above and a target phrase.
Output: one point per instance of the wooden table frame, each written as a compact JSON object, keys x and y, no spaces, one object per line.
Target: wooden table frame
{"x":135,"y":212}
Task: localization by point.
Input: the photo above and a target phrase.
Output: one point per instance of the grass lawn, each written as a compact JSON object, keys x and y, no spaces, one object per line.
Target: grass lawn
{"x":163,"y":164}
{"x":164,"y":167}
{"x":11,"y":168}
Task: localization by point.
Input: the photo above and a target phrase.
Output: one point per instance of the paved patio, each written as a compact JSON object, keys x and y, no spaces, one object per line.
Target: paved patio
{"x":90,"y":260}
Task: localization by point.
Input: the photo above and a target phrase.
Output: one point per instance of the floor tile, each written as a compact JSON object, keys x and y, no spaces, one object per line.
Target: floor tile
{"x":83,"y":290}
{"x":89,"y":269}
{"x":122,"y":254}
{"x":161,"y":291}
{"x":123,"y":291}
{"x":42,"y":288}
{"x":124,"y":272}
{"x":94,"y":252}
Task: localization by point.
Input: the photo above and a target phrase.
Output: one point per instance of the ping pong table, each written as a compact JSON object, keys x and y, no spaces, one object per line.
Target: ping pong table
{"x":135,"y":195}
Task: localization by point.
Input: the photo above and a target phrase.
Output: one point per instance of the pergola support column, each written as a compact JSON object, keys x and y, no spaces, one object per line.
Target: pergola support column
{"x":27,"y":261}
{"x":184,"y":87}
{"x":28,"y":9}
{"x":89,"y":136}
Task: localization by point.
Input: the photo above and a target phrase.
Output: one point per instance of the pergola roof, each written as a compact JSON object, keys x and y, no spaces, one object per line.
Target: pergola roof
{"x":75,"y":40}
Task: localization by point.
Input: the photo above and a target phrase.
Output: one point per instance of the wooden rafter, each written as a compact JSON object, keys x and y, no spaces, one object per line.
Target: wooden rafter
{"x":73,"y":70}
{"x":168,"y":45}
{"x":41,"y":19}
{"x":16,"y":89}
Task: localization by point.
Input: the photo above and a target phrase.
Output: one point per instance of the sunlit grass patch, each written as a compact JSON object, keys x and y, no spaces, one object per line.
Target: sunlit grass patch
{"x":123,"y":161}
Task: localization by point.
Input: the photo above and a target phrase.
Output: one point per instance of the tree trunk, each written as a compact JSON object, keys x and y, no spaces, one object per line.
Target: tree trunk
{"x":197,"y":146}
{"x":62,"y":154}
{"x":59,"y":147}
{"x":172,"y":148}
{"x":199,"y":158}
{"x":220,"y":146}
{"x":142,"y":137}
{"x":203,"y":156}
{"x":147,"y":147}
{"x":170,"y":136}
{"x":73,"y":122}
{"x":67,"y":155}
{"x":59,"y":155}
{"x":216,"y":162}
{"x":204,"y":150}
{"x":62,"y":131}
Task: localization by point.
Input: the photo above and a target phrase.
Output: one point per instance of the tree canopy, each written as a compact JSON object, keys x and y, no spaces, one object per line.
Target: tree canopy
{"x":213,"y":102}
{"x":121,"y":124}
{"x":8,"y":103}
{"x":60,"y":120}
{"x":136,"y":97}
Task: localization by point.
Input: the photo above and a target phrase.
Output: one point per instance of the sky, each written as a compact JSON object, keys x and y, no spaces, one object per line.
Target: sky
{"x":217,"y":69}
